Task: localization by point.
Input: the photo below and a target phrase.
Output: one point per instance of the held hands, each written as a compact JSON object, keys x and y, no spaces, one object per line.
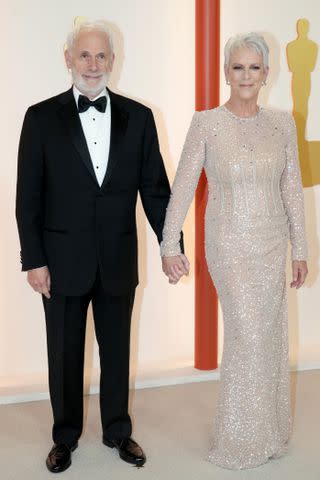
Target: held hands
{"x":39,"y":279}
{"x":175,"y":267}
{"x":299,"y":273}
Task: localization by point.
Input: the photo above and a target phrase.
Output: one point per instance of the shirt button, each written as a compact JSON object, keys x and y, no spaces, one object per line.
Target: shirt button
{"x":97,"y":166}
{"x":95,"y":143}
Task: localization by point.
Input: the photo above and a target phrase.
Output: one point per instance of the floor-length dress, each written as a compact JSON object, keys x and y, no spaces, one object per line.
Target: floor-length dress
{"x":255,"y":205}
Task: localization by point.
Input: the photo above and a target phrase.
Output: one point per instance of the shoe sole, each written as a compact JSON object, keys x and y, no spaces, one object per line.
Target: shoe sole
{"x":60,"y":469}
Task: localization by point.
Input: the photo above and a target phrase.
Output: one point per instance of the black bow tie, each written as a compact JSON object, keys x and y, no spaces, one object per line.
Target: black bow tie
{"x":84,"y":103}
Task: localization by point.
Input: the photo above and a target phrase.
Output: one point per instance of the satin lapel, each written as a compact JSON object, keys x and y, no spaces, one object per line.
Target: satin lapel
{"x":119,"y":122}
{"x":70,"y":119}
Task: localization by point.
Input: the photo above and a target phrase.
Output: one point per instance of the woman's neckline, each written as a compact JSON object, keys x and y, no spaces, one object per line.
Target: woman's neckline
{"x":252,"y":117}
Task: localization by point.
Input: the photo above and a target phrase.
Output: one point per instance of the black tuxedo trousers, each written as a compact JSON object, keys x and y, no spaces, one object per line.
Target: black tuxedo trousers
{"x":66,"y":326}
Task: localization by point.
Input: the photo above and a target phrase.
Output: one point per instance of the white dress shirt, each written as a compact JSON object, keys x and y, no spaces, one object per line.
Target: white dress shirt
{"x":97,"y":128}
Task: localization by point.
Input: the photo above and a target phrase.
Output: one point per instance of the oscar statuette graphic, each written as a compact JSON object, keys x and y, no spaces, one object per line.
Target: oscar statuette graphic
{"x":302,"y":57}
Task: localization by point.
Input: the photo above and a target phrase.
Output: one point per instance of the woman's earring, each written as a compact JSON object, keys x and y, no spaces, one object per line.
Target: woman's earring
{"x":227,"y":82}
{"x":264,"y":83}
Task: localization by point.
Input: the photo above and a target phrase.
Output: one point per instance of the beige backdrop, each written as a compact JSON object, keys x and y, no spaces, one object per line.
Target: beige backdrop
{"x":154,"y":42}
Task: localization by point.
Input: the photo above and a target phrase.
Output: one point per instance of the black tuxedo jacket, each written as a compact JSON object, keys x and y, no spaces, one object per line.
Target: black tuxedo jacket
{"x":65,"y":219}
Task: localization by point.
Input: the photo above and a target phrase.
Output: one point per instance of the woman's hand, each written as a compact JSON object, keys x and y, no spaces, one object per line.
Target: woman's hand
{"x":175,"y":267}
{"x":299,"y":273}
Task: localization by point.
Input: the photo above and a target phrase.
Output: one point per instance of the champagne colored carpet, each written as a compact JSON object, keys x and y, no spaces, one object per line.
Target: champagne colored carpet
{"x":173,"y":424}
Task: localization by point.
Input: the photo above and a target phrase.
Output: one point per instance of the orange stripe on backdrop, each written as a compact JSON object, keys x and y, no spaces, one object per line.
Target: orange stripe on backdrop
{"x":207,"y":96}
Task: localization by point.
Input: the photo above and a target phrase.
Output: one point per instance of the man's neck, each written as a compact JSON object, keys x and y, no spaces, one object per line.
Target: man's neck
{"x":90,"y":95}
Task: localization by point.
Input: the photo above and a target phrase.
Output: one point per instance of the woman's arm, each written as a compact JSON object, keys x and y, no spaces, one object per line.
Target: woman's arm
{"x":189,"y":169}
{"x":293,"y":200}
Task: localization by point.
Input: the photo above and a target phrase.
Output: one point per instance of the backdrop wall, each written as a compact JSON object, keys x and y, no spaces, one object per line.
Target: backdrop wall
{"x":154,"y":43}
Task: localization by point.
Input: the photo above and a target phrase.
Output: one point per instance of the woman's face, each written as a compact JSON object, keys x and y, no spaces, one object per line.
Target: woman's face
{"x":245,"y":73}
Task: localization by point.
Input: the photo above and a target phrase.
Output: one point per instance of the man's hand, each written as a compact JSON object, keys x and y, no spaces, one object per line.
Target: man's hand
{"x":299,"y":273}
{"x":175,"y":267}
{"x":39,"y":279}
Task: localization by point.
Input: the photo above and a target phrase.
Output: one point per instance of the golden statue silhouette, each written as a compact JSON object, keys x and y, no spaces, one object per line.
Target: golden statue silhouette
{"x":302,"y":57}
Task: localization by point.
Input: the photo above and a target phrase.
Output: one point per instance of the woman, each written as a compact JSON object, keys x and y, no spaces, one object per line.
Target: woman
{"x":255,"y":204}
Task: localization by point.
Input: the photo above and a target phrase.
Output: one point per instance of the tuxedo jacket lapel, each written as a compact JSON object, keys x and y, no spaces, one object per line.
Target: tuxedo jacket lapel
{"x":70,"y":120}
{"x":119,"y":122}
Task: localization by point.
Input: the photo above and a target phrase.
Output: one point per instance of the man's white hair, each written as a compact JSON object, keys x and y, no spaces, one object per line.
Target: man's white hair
{"x":99,"y":25}
{"x":250,"y":40}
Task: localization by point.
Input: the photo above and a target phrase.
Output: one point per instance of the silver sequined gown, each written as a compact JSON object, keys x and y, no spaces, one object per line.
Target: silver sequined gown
{"x":255,"y":205}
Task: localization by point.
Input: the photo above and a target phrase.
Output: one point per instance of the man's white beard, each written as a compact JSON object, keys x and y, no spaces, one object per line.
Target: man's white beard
{"x":83,"y":87}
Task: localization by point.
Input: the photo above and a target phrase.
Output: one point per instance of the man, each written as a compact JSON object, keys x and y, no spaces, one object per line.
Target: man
{"x":83,"y":157}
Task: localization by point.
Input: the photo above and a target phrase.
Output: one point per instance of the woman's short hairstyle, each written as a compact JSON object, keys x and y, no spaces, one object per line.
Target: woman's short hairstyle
{"x":250,"y":40}
{"x":99,"y":25}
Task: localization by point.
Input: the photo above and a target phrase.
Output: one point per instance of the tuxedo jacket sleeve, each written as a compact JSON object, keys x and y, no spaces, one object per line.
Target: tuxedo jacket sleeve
{"x":154,"y":187}
{"x":30,"y":199}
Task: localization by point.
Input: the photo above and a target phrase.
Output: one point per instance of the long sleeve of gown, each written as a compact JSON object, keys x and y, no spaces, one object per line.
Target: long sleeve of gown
{"x":292,"y":195}
{"x":184,"y":185}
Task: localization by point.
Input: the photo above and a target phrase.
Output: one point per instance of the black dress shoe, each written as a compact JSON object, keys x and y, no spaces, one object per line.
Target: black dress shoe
{"x":59,"y":457}
{"x":128,"y":449}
